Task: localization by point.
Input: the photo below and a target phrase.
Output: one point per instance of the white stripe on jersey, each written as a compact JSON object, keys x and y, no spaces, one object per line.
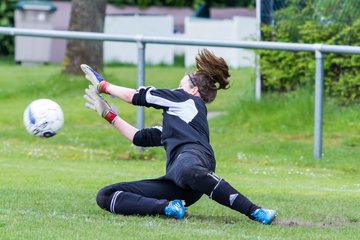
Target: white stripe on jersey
{"x":186,"y":111}
{"x":158,"y":127}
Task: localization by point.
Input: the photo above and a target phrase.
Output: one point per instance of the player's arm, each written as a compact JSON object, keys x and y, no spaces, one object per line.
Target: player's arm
{"x":124,"y":93}
{"x":148,"y":137}
{"x":159,"y":98}
{"x":125,"y":128}
{"x":102,"y":86}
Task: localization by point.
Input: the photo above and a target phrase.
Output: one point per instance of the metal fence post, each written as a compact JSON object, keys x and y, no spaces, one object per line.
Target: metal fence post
{"x":319,"y":91}
{"x":257,"y":78}
{"x":140,"y":117}
{"x":257,"y":56}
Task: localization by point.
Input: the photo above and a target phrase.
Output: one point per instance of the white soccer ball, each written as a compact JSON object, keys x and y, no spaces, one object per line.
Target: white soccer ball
{"x":43,"y":118}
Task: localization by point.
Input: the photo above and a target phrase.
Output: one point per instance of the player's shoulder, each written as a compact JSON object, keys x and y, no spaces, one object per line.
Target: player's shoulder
{"x":178,"y":94}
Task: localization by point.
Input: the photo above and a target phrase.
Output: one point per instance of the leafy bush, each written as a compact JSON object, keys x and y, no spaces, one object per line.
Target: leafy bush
{"x":7,"y":20}
{"x":313,"y":23}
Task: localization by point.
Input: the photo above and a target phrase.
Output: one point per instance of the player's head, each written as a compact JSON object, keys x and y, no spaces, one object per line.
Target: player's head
{"x":211,"y":74}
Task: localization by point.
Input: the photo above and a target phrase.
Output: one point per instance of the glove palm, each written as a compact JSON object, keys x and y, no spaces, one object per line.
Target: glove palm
{"x":95,"y":102}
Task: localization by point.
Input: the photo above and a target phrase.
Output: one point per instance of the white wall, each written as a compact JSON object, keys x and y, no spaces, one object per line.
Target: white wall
{"x":30,"y":50}
{"x":239,"y":28}
{"x":161,"y":26}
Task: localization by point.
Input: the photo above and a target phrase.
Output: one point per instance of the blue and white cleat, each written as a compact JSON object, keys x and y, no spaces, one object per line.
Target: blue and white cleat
{"x":175,"y":209}
{"x":265,"y":216}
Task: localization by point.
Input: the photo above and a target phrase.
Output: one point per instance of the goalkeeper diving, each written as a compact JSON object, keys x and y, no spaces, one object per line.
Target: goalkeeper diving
{"x":190,"y":161}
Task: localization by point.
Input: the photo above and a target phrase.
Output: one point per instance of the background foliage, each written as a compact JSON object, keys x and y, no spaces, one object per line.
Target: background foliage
{"x":7,"y":20}
{"x":311,"y":21}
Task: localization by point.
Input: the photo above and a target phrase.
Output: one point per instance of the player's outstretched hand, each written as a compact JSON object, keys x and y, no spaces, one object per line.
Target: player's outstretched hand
{"x":99,"y":83}
{"x":97,"y":103}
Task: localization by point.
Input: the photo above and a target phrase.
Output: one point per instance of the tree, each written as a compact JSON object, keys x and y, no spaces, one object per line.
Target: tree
{"x":86,"y":16}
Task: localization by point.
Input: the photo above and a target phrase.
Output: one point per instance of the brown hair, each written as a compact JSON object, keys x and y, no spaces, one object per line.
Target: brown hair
{"x":211,"y":74}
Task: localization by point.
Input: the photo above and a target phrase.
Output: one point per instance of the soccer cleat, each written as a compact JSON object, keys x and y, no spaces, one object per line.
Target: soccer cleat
{"x":265,"y":216}
{"x":175,"y":209}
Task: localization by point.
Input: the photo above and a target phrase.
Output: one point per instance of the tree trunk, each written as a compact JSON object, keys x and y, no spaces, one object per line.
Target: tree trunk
{"x":86,"y":16}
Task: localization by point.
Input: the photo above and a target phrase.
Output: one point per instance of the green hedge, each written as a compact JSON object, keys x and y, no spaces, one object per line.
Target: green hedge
{"x":7,"y":20}
{"x":286,"y":71}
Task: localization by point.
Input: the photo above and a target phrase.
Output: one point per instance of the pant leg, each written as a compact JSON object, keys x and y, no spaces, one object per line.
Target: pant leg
{"x":193,"y":170}
{"x":145,"y":197}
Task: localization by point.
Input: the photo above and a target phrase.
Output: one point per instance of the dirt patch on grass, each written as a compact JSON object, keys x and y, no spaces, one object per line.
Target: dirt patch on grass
{"x":301,"y":223}
{"x":327,"y":224}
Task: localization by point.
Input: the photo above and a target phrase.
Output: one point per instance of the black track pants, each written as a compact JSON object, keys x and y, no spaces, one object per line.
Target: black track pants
{"x":145,"y":197}
{"x":189,"y":177}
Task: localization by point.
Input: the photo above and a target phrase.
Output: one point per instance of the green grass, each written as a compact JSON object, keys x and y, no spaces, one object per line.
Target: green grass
{"x":264,"y":149}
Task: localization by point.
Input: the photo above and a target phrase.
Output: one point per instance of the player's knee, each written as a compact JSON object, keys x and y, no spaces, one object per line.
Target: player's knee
{"x":188,"y":173}
{"x":202,"y":180}
{"x":103,"y":198}
{"x":198,"y":172}
{"x":193,"y":175}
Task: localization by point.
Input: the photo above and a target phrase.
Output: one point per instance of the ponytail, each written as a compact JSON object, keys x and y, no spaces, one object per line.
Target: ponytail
{"x":211,"y":74}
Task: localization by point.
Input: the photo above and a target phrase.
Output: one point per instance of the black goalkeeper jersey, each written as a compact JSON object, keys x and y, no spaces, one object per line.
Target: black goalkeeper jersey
{"x":184,"y":125}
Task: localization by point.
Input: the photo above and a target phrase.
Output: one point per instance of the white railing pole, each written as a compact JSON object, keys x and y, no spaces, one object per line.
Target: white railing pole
{"x":257,"y":57}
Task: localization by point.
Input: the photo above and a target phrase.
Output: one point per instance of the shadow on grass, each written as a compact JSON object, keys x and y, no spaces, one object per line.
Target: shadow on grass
{"x":215,"y":219}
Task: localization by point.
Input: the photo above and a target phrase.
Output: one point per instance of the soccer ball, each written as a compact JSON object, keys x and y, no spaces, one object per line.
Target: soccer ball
{"x":43,"y":118}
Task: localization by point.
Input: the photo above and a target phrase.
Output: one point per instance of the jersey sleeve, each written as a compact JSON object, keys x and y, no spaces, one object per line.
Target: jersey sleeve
{"x":148,"y":137}
{"x":158,"y":98}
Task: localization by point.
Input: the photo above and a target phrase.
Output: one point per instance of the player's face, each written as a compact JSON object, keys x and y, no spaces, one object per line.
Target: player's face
{"x":185,"y":84}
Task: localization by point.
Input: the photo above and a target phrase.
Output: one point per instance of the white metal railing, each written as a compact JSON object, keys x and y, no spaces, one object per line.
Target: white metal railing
{"x":141,"y":41}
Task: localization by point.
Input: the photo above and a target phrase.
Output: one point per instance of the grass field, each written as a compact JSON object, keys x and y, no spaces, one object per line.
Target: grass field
{"x":264,"y":149}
